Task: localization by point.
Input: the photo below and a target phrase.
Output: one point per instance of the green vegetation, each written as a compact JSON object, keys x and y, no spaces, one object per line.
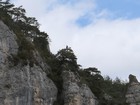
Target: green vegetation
{"x":67,"y":59}
{"x":108,"y":91}
{"x":25,"y":28}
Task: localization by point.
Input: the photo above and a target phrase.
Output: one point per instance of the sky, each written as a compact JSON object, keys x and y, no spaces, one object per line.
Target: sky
{"x":102,"y":33}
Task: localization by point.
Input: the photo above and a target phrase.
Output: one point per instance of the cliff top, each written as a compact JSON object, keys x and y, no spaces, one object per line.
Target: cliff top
{"x":132,"y":78}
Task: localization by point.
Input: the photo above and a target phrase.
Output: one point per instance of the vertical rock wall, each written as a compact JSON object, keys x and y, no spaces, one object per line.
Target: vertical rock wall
{"x":8,"y":44}
{"x":26,"y":86}
{"x":76,"y":93}
{"x":22,"y":85}
{"x":133,"y":91}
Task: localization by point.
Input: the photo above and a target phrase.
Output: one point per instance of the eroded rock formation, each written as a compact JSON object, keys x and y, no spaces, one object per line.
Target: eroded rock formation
{"x":76,"y":93}
{"x":133,"y":91}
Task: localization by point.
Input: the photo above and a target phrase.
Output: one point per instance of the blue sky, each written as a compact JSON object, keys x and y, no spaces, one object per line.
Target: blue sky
{"x":103,"y":33}
{"x":121,"y":8}
{"x":125,"y":9}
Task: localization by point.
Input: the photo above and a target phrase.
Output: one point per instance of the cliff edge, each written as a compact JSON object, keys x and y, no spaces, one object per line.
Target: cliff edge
{"x":25,"y":84}
{"x":22,"y":84}
{"x":133,"y":91}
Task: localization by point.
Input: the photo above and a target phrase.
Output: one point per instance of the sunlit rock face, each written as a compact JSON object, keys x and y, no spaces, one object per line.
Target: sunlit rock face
{"x":76,"y":93}
{"x":22,"y":85}
{"x":133,"y":91}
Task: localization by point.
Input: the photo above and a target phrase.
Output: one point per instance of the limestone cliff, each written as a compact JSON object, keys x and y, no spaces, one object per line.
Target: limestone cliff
{"x":76,"y":93}
{"x":133,"y":92}
{"x":22,"y":85}
{"x":29,"y":85}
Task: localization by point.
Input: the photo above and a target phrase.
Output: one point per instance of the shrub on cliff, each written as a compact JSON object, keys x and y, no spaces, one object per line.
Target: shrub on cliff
{"x":67,"y":59}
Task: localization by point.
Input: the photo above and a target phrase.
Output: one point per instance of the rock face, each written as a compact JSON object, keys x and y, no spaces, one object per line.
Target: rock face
{"x":8,"y":44}
{"x":29,"y":85}
{"x":76,"y":93}
{"x":133,"y":92}
{"x":22,"y":85}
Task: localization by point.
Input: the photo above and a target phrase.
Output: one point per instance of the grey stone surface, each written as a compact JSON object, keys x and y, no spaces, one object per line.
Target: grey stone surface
{"x":26,"y":86}
{"x":41,"y":62}
{"x":22,"y":85}
{"x":133,"y":91}
{"x":76,"y":93}
{"x":8,"y":43}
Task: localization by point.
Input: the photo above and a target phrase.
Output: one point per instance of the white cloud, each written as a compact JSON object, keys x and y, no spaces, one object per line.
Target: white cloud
{"x":113,"y":46}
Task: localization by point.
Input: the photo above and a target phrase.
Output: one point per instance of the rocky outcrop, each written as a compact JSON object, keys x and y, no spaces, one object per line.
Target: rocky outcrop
{"x":29,"y":85}
{"x":22,"y":85}
{"x":76,"y":93}
{"x":133,"y":91}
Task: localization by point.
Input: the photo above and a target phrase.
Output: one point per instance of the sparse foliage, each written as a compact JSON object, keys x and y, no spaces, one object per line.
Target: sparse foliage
{"x":67,"y":58}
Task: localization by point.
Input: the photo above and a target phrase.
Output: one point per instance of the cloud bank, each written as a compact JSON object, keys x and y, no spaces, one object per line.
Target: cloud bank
{"x":111,"y":45}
